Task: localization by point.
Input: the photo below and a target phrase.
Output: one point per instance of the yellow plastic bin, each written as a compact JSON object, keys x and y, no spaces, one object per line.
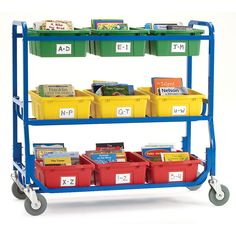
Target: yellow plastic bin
{"x":181,"y":105}
{"x":61,"y":107}
{"x":119,"y":106}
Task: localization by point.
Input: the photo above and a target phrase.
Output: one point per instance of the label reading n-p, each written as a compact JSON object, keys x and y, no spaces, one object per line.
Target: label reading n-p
{"x":67,"y":113}
{"x":122,"y":178}
{"x":63,"y":49}
{"x":176,"y":176}
{"x":123,"y":47}
{"x":68,"y":181}
{"x":179,"y":110}
{"x":178,"y":47}
{"x":123,"y":111}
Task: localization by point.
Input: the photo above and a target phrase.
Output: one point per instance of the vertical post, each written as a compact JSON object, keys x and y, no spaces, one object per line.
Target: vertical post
{"x":188,"y":123}
{"x":14,"y":91}
{"x":28,"y":164}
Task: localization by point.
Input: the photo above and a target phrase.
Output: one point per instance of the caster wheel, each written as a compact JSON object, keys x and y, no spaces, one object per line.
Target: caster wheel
{"x":38,"y":209}
{"x":17,"y":192}
{"x":219,"y":200}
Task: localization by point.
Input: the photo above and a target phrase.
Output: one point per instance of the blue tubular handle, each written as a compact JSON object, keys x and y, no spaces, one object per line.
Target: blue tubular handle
{"x":203,"y":23}
{"x":22,"y":24}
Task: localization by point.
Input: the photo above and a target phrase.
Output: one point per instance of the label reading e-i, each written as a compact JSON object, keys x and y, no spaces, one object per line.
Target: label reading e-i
{"x":63,"y":49}
{"x":68,"y":181}
{"x":123,"y":111}
{"x":176,"y":176}
{"x":123,"y":47}
{"x":178,"y":47}
{"x":67,"y":113}
{"x":179,"y":110}
{"x":122,"y":178}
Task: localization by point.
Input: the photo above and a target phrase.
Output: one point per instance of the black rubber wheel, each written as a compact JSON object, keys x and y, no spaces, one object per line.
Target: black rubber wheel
{"x":36,"y":211}
{"x":17,"y":192}
{"x":219,"y":202}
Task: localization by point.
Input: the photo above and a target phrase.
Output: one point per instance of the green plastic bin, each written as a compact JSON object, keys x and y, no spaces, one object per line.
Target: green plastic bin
{"x":175,"y":47}
{"x":118,"y":48}
{"x":70,"y":48}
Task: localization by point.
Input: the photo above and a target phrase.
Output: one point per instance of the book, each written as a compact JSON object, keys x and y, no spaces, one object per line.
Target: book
{"x":97,"y":85}
{"x":112,"y":26}
{"x":56,"y":90}
{"x":152,"y":151}
{"x":53,"y":25}
{"x":94,"y":22}
{"x":163,"y":26}
{"x":172,"y":91}
{"x":103,"y":158}
{"x":109,"y":146}
{"x":175,"y":156}
{"x":118,"y":90}
{"x":158,"y":82}
{"x":178,"y":27}
{"x":57,"y":161}
{"x":41,"y":149}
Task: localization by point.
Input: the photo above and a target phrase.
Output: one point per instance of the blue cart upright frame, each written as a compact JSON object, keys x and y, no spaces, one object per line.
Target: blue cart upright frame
{"x":25,"y":169}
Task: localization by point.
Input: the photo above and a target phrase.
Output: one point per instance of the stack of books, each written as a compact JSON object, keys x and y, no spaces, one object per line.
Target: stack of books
{"x":55,"y":154}
{"x":107,"y":152}
{"x":56,"y":90}
{"x":53,"y":25}
{"x":166,"y":86}
{"x":111,"y":88}
{"x":109,"y":24}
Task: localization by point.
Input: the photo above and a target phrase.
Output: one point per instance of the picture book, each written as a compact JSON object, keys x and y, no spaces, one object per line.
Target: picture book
{"x":109,"y":146}
{"x":102,"y":158}
{"x":172,"y":91}
{"x":112,"y":26}
{"x":94,"y":22}
{"x":158,"y":82}
{"x":178,"y":27}
{"x":56,"y":90}
{"x":175,"y":156}
{"x":162,"y":26}
{"x":39,"y":151}
{"x":118,"y":90}
{"x":57,"y":161}
{"x":151,"y":152}
{"x":97,"y":85}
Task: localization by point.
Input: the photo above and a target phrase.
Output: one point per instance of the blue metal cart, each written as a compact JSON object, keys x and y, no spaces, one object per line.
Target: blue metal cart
{"x":27,"y":186}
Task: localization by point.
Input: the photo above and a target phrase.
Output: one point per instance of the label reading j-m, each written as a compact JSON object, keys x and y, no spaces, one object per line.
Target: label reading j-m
{"x":179,"y":110}
{"x":67,"y":113}
{"x":123,"y":111}
{"x":122,"y":178}
{"x":123,"y":47}
{"x":68,"y":181}
{"x":176,"y":176}
{"x":63,"y":49}
{"x":178,"y":47}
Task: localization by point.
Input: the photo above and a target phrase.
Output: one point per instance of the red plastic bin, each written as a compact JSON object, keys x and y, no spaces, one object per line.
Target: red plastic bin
{"x":172,"y":171}
{"x":131,"y":172}
{"x":65,"y":176}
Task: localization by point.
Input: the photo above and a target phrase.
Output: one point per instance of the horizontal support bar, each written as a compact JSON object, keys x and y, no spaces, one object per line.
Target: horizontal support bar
{"x":117,"y":38}
{"x":115,"y":120}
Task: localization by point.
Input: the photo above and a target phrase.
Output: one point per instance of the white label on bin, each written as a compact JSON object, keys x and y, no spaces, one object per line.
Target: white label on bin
{"x":123,"y":111}
{"x":179,"y":110}
{"x":63,"y":49}
{"x":178,"y":47}
{"x":122,"y":178}
{"x":123,"y":47}
{"x":67,"y":113}
{"x":176,"y":176}
{"x":68,"y":181}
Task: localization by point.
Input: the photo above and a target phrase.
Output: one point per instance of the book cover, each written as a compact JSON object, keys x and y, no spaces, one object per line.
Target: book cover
{"x":109,"y":146}
{"x":56,"y":90}
{"x":158,"y":82}
{"x":175,"y":156}
{"x":112,"y":26}
{"x":57,"y":161}
{"x":94,"y":22}
{"x":103,"y":158}
{"x":172,"y":91}
{"x":39,"y":152}
{"x":151,"y":152}
{"x":119,"y":90}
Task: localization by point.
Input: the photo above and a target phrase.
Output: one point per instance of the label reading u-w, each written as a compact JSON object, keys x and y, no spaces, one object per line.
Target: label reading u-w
{"x":122,"y":178}
{"x":63,"y":49}
{"x":68,"y":181}
{"x":67,"y":113}
{"x":176,"y":176}
{"x":123,"y":47}
{"x":123,"y":111}
{"x":179,"y":110}
{"x":178,"y":47}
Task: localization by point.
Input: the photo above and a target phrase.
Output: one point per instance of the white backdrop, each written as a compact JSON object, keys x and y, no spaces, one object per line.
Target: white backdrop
{"x":138,"y":211}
